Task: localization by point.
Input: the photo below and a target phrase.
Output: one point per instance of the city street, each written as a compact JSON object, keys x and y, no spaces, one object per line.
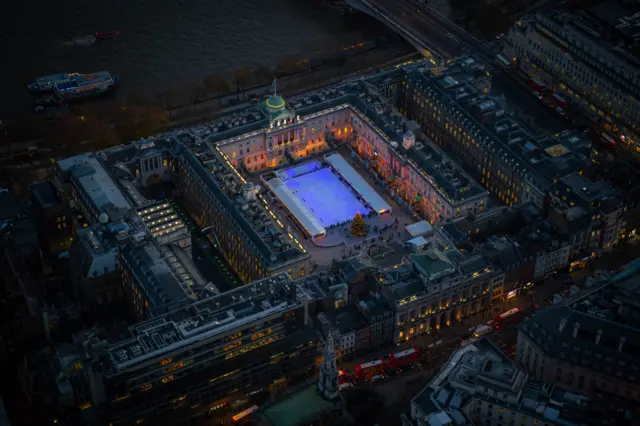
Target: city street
{"x":436,"y":349}
{"x":430,"y":25}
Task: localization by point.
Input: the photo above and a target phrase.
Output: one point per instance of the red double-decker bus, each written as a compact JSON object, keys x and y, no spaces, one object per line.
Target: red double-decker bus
{"x":404,"y":358}
{"x":503,"y":316}
{"x":370,"y":368}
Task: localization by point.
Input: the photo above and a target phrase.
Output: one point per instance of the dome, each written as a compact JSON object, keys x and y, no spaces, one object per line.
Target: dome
{"x":408,"y":134}
{"x":103,"y":218}
{"x":275,"y":102}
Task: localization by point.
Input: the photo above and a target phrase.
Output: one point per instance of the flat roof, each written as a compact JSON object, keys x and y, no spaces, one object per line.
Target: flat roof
{"x":89,"y":173}
{"x":210,"y":317}
{"x":377,"y":203}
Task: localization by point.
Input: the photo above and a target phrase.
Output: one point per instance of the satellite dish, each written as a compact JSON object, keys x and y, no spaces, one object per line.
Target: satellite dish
{"x":103,"y":218}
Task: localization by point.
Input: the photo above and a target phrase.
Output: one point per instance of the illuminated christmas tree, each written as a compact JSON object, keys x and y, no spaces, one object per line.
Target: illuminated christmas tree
{"x":358,"y":228}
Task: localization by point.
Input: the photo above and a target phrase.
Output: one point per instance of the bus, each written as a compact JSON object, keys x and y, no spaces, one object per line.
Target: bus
{"x":370,"y":368}
{"x":401,"y":359}
{"x":536,"y":85}
{"x":242,"y":414}
{"x":503,"y":62}
{"x":482,"y":330}
{"x":607,"y":139}
{"x":503,"y":316}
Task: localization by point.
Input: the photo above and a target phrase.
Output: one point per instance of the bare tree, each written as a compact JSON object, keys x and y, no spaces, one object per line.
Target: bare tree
{"x":216,"y":84}
{"x":262,"y":75}
{"x":244,"y":79}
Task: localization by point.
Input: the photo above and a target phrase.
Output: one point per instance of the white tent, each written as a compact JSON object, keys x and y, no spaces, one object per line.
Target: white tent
{"x":417,"y":243}
{"x":419,"y":229}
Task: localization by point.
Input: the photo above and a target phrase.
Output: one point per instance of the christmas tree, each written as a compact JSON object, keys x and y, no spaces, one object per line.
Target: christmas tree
{"x":358,"y":228}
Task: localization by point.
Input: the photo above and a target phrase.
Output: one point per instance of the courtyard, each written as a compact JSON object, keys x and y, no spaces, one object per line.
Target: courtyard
{"x":322,"y":197}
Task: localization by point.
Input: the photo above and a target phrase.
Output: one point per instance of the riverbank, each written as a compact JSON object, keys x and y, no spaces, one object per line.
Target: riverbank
{"x":187,"y":115}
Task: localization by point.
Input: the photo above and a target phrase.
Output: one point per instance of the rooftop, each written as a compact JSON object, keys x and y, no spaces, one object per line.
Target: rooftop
{"x":267,"y":234}
{"x":162,"y":277}
{"x":600,"y":330}
{"x":482,"y":371}
{"x":90,"y":175}
{"x":161,"y":219}
{"x":490,"y":123}
{"x":207,"y":318}
{"x":444,"y":174}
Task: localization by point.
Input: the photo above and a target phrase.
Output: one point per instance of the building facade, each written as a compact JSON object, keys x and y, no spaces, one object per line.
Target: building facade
{"x":590,"y":345}
{"x":440,"y":288}
{"x":208,"y":355}
{"x":585,"y":59}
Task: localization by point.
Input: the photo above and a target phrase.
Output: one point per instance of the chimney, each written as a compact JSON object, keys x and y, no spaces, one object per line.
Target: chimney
{"x":576,"y":327}
{"x":621,"y":343}
{"x":599,"y":336}
{"x":563,"y":324}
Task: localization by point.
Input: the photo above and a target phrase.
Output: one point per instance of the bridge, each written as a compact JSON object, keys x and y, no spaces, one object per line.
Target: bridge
{"x":438,"y":38}
{"x":412,"y":20}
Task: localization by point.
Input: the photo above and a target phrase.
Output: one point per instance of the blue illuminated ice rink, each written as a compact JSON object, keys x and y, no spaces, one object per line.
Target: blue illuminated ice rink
{"x":330,"y":200}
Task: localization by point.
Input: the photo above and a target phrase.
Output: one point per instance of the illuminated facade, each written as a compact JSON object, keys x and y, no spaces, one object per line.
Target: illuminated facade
{"x":438,"y":289}
{"x":210,"y":354}
{"x":567,"y":52}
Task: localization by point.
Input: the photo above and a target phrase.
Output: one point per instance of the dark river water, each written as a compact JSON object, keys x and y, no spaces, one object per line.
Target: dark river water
{"x":163,"y":43}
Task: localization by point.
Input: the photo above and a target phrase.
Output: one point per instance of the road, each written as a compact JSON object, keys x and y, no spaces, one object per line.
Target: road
{"x":437,"y":348}
{"x":428,"y":24}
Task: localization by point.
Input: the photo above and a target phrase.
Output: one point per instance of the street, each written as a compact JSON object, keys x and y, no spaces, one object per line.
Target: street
{"x":452,"y":40}
{"x":437,"y":348}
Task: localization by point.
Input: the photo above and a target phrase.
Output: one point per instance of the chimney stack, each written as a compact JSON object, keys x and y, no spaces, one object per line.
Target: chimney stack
{"x":563,"y":324}
{"x":576,"y":327}
{"x":599,"y":336}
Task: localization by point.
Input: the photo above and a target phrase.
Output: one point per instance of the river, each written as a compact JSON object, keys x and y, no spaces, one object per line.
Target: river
{"x":165,"y":44}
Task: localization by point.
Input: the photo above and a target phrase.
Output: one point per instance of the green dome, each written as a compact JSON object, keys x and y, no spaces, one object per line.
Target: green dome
{"x":275,"y":102}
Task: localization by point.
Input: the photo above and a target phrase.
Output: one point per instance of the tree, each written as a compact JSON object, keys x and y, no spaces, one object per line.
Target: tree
{"x":198,"y":94}
{"x":289,"y":65}
{"x":262,"y":75}
{"x":358,"y":228}
{"x":171,"y":99}
{"x":243,"y":78}
{"x":216,"y":84}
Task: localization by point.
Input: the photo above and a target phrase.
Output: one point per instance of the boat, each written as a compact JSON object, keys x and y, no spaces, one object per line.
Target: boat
{"x":46,"y":83}
{"x":85,"y":85}
{"x":107,"y":34}
{"x":86,"y":40}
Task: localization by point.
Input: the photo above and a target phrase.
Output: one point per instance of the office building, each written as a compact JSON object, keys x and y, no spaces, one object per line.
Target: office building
{"x":590,"y":343}
{"x":200,"y":358}
{"x":588,"y":57}
{"x":438,"y":288}
{"x":479,"y":385}
{"x":505,"y":156}
{"x":93,"y":265}
{"x":600,"y":203}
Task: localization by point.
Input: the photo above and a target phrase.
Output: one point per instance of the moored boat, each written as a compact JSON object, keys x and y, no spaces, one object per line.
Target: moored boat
{"x":46,"y":83}
{"x":85,"y":85}
{"x":107,"y":34}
